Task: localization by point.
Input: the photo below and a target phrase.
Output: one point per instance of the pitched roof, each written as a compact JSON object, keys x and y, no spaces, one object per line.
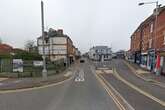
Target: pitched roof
{"x":5,"y":48}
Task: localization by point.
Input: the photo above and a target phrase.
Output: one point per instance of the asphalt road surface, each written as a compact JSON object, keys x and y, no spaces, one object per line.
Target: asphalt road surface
{"x":84,"y":94}
{"x":137,"y":100}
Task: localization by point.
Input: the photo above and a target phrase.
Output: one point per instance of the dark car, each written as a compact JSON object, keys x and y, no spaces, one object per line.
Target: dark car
{"x":82,"y":60}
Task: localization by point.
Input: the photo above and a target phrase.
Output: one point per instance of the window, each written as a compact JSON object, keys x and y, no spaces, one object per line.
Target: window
{"x":150,"y":43}
{"x":151,"y":28}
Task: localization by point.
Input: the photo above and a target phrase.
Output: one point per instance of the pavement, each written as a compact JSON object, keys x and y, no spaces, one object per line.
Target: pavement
{"x":85,"y":93}
{"x":23,"y":83}
{"x":138,"y":93}
{"x":146,"y":75}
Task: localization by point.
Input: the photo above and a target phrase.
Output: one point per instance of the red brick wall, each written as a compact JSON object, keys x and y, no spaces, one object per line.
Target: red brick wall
{"x":160,"y":31}
{"x":157,"y":42}
{"x":135,"y":41}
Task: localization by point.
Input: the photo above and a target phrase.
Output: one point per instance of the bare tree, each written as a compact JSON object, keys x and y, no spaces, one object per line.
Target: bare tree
{"x":30,"y":46}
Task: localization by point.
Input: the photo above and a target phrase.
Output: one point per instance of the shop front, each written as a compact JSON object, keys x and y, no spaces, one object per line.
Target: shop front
{"x":144,"y":60}
{"x":137,"y":57}
{"x":161,"y":63}
{"x":151,"y":60}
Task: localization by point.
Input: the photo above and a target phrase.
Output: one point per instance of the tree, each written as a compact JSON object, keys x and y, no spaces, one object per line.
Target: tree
{"x":30,"y":46}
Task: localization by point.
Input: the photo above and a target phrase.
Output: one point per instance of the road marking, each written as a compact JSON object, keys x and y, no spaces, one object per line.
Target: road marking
{"x":68,"y":74}
{"x":108,"y":71}
{"x":17,"y":81}
{"x":79,"y":76}
{"x":138,"y":89}
{"x":118,"y":94}
{"x":145,"y":79}
{"x":2,"y":79}
{"x":99,"y":71}
{"x":119,"y":105}
{"x":35,"y":88}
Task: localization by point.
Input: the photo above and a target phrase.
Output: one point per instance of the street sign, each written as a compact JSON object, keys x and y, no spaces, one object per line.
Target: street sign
{"x":17,"y":65}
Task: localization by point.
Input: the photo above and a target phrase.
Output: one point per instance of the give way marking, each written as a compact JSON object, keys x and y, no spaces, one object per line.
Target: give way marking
{"x":79,"y":76}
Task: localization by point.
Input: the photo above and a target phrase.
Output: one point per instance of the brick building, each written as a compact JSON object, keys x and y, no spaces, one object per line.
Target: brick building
{"x":135,"y":46}
{"x":148,"y":42}
{"x":5,"y":49}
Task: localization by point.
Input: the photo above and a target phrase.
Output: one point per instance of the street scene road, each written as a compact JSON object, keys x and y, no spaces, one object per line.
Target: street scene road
{"x":84,"y":91}
{"x":146,"y":97}
{"x":87,"y":94}
{"x":82,"y":55}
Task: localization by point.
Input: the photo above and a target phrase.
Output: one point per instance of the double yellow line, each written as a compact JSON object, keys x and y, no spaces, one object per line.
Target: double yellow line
{"x":110,"y":93}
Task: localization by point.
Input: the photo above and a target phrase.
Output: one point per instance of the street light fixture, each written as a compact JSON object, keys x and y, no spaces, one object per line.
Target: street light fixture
{"x":141,"y":4}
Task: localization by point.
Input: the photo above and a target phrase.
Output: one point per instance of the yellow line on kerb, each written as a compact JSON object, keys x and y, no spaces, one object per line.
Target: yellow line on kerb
{"x":34,"y":88}
{"x":155,"y":82}
{"x":119,"y":105}
{"x":138,"y":89}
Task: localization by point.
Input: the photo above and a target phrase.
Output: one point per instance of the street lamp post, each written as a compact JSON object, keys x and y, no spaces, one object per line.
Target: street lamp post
{"x":44,"y":71}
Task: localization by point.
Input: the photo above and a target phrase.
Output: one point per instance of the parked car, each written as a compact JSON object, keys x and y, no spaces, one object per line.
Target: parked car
{"x":82,"y":60}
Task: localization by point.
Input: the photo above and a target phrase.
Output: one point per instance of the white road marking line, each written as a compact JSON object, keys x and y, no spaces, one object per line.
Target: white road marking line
{"x":79,"y":76}
{"x":17,"y":81}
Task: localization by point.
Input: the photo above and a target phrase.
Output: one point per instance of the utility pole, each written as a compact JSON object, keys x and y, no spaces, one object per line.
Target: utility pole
{"x":44,"y":71}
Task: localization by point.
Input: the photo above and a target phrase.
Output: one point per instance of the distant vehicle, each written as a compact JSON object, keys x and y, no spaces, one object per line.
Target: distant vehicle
{"x":82,"y":60}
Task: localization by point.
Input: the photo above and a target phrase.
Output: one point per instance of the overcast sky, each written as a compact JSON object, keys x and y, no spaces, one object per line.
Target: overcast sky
{"x":87,"y":22}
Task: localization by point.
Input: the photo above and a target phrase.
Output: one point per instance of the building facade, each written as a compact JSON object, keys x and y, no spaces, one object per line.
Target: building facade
{"x":57,"y":46}
{"x":100,"y":53}
{"x":148,"y":42}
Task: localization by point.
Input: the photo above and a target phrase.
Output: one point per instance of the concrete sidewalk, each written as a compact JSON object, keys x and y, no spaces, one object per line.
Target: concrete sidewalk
{"x":145,"y":74}
{"x":22,"y":83}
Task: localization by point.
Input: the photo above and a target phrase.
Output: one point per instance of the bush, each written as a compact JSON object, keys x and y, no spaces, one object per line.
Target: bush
{"x":5,"y":56}
{"x":27,"y":56}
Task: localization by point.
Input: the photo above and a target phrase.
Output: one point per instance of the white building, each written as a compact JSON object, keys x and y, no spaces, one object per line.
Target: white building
{"x":77,"y":53}
{"x":57,"y":46}
{"x":100,"y":53}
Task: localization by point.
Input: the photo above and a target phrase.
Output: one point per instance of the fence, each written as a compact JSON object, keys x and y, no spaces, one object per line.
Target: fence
{"x":29,"y":70}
